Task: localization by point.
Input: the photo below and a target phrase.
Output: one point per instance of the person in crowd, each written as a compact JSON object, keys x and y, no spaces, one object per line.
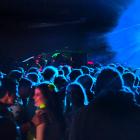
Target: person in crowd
{"x":35,"y":70}
{"x":120,"y":68}
{"x":67,"y":103}
{"x":88,"y":83}
{"x":66,"y":69}
{"x":129,"y":80}
{"x":8,"y":89}
{"x":24,"y":90}
{"x":61,"y":82}
{"x":33,"y":77}
{"x":85,"y":69}
{"x":49,"y":73}
{"x":26,"y":105}
{"x":74,"y":74}
{"x":22,"y":70}
{"x":108,"y":79}
{"x":136,"y":82}
{"x":48,"y":119}
{"x":61,"y":72}
{"x":76,"y":99}
{"x":15,"y":75}
{"x":75,"y":96}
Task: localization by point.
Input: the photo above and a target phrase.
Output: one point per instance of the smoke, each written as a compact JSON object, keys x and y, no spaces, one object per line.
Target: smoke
{"x":125,"y":37}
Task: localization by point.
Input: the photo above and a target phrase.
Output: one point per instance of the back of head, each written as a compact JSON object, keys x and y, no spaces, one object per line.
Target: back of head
{"x":77,"y":94}
{"x":33,"y":69}
{"x":60,"y":72}
{"x":25,"y":88}
{"x":15,"y":75}
{"x":66,"y":69}
{"x":33,"y":77}
{"x":109,"y":79}
{"x":60,"y":82}
{"x":85,"y":69}
{"x":112,"y":65}
{"x":120,"y":68}
{"x":129,"y":79}
{"x":86,"y":80}
{"x":74,"y":74}
{"x":49,"y":73}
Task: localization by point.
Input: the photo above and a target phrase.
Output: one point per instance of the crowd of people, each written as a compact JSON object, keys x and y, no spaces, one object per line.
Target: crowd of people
{"x":64,"y":103}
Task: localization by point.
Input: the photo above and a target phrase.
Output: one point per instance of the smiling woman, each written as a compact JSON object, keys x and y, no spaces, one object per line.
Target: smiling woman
{"x":48,"y":117}
{"x":39,"y":99}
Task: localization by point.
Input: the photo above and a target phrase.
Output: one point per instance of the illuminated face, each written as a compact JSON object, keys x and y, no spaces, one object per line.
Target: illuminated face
{"x":38,"y":98}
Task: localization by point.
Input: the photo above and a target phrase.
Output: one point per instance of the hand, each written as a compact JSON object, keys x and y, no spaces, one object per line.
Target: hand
{"x":39,"y":118}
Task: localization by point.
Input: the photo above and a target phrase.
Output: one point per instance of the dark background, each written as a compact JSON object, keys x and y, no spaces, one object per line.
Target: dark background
{"x":28,"y":27}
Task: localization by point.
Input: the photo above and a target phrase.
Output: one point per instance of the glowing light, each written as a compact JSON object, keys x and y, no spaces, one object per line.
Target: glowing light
{"x":125,"y":39}
{"x":90,"y":62}
{"x":55,"y":55}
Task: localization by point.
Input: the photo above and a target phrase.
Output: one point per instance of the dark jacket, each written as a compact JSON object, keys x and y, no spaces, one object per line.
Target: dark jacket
{"x":107,"y":120}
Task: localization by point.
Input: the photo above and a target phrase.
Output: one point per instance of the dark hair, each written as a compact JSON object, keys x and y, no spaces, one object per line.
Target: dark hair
{"x":129,"y":78}
{"x":25,"y":88}
{"x":49,"y":73}
{"x":48,"y":91}
{"x":86,"y":80}
{"x":74,"y":74}
{"x":7,"y":85}
{"x":109,"y":79}
{"x":85,"y":69}
{"x":25,"y":82}
{"x":77,"y":93}
{"x":33,"y":77}
{"x":60,"y":82}
{"x":52,"y":102}
{"x":15,"y":75}
{"x":66,"y":69}
{"x":33,"y":69}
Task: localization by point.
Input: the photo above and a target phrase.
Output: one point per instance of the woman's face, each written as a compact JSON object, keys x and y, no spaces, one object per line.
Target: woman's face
{"x":38,"y":97}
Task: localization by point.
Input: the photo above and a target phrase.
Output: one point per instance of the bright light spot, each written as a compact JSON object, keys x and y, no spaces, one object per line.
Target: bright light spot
{"x":125,"y":39}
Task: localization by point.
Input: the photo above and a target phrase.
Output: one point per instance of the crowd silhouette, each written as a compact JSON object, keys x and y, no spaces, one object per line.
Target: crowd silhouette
{"x":96,"y":102}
